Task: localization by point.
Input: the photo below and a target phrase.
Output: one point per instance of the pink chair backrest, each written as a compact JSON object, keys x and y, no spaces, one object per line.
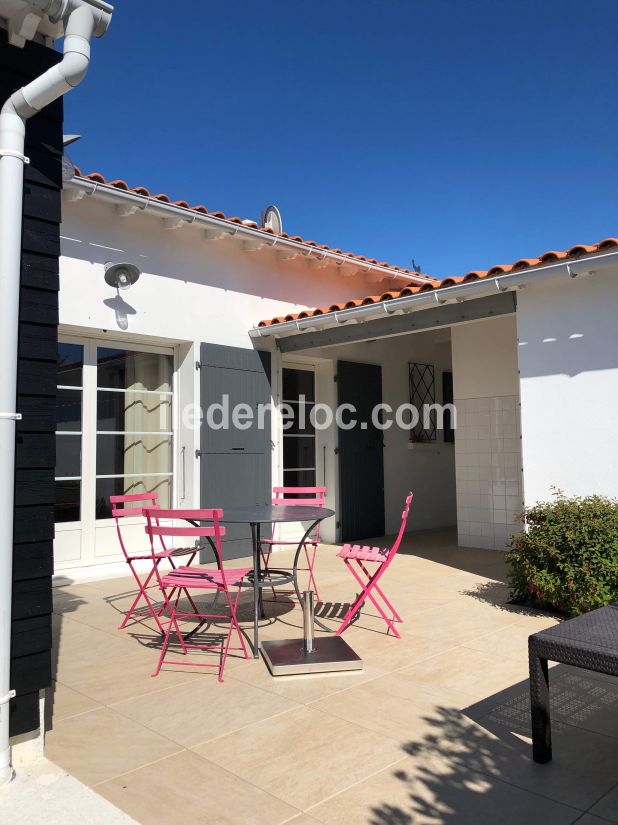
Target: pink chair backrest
{"x":137,"y":502}
{"x":156,"y":526}
{"x":301,"y":497}
{"x":404,"y":520}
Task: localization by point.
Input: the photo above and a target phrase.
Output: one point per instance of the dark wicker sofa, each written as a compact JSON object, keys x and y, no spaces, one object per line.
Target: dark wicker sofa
{"x":589,"y":641}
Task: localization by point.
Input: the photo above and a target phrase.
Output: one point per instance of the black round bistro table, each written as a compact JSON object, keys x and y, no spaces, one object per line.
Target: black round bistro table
{"x":255,"y":516}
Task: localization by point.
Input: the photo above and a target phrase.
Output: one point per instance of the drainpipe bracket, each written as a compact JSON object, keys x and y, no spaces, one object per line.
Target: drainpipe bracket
{"x":10,"y":416}
{"x":11,"y":153}
{"x":4,"y":700}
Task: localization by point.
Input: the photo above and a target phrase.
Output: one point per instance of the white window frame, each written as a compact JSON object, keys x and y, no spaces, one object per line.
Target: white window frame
{"x":89,"y":523}
{"x":307,"y":366}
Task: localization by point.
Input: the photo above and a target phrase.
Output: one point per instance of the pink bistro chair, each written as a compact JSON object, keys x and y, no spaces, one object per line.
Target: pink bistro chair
{"x":136,"y":503}
{"x":296,"y":497}
{"x":369,"y":580}
{"x":219,"y":581}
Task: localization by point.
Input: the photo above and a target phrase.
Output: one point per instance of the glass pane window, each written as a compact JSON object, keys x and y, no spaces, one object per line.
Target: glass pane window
{"x":120,"y":486}
{"x":69,"y":380}
{"x":124,"y":370}
{"x":296,"y":383}
{"x":134,"y":425}
{"x":299,"y":453}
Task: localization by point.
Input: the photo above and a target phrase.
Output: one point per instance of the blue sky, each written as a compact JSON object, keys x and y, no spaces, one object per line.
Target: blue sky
{"x":461,"y":133}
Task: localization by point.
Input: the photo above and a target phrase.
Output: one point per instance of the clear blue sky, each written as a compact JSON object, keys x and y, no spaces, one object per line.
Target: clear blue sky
{"x":462,"y":133}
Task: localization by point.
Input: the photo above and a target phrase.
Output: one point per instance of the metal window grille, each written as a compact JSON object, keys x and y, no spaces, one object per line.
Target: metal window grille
{"x":422,"y":394}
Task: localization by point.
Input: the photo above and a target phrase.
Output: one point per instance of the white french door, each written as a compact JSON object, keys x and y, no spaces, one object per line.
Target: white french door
{"x":114,"y":435}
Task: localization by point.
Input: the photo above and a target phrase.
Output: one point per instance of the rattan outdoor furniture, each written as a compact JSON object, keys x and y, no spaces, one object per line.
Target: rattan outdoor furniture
{"x":589,"y":641}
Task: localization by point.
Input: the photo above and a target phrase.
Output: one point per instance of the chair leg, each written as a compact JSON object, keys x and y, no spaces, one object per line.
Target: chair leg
{"x":396,"y":616}
{"x":265,"y":562}
{"x":142,"y":586}
{"x":366,"y":594}
{"x":310,"y":564}
{"x":233,"y":625}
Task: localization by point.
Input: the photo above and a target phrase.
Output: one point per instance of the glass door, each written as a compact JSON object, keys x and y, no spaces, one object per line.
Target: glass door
{"x":114,"y":436}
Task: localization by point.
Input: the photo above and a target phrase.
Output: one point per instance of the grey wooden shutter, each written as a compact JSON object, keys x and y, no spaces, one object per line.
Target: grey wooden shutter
{"x":235,"y":464}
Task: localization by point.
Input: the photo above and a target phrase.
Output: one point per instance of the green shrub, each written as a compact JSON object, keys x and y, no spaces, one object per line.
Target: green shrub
{"x":567,"y":560}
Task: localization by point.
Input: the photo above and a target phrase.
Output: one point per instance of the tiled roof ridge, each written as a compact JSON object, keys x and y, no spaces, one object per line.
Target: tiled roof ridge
{"x":97,"y":177}
{"x":473,"y":275}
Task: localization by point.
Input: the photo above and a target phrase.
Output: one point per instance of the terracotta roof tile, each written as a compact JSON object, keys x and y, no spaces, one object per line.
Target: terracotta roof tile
{"x":474,"y":275}
{"x":97,"y":177}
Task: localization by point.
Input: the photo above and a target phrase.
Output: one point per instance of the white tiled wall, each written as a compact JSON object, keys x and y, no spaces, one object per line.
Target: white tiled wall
{"x":488,"y":470}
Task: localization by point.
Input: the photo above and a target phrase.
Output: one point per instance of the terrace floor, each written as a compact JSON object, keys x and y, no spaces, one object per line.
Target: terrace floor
{"x":433,"y":731}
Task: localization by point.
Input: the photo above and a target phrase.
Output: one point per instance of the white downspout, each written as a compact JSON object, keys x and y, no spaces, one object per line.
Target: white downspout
{"x":82,"y":23}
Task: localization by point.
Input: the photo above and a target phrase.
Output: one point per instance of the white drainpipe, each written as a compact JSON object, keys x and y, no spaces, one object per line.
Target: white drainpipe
{"x":82,"y":21}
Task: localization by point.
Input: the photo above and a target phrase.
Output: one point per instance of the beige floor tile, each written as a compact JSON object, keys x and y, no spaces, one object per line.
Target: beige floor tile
{"x":303,"y":819}
{"x":303,"y":758}
{"x":469,"y":671}
{"x":100,"y":745}
{"x":510,"y":641}
{"x":203,"y":710}
{"x":391,"y":653}
{"x":393,"y":706}
{"x":458,"y":624}
{"x":186,"y":788}
{"x":303,"y":689}
{"x":607,"y":808}
{"x":120,"y":671}
{"x":62,"y":701}
{"x":421,"y":793}
{"x":584,"y":765}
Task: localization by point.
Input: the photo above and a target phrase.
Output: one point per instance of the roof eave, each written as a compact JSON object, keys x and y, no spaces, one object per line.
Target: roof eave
{"x":471,"y":290}
{"x":86,"y":187}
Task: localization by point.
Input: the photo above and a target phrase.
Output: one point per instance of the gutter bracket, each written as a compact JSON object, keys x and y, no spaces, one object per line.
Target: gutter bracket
{"x":4,"y":700}
{"x":11,"y":153}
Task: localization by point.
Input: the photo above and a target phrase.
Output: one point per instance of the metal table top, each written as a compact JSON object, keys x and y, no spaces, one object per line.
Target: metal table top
{"x":269,"y":514}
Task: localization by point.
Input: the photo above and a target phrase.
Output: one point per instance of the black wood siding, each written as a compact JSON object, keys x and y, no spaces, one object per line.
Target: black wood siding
{"x":36,"y":393}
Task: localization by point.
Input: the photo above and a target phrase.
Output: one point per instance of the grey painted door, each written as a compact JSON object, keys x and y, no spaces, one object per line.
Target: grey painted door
{"x":360,"y":450}
{"x":235,"y":463}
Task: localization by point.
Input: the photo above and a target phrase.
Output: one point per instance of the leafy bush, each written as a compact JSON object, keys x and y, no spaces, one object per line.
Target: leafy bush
{"x":567,"y":561}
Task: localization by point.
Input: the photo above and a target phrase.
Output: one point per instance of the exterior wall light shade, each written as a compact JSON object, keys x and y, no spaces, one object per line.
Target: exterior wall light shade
{"x":121,"y":276}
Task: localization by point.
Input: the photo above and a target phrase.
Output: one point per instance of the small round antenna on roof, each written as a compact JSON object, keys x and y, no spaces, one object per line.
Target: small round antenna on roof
{"x":271,"y":219}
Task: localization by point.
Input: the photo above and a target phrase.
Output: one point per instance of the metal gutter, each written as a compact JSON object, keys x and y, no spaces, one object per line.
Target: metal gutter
{"x":180,"y":213}
{"x":436,"y":297}
{"x":82,"y":22}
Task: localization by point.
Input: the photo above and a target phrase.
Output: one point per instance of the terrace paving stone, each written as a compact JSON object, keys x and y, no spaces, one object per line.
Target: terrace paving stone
{"x":434,"y":731}
{"x":186,"y":788}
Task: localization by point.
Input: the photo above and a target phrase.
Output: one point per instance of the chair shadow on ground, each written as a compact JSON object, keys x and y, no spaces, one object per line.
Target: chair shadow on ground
{"x":470,"y":765}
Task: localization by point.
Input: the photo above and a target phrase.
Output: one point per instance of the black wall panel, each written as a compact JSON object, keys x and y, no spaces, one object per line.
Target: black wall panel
{"x":35,"y":448}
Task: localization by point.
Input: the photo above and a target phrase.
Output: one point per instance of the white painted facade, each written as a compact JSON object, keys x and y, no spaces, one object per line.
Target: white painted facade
{"x":568,"y":360}
{"x":525,"y":418}
{"x":191,"y":291}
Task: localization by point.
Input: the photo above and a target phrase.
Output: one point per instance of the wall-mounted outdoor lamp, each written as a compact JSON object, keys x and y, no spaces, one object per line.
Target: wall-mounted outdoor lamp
{"x":121,"y":276}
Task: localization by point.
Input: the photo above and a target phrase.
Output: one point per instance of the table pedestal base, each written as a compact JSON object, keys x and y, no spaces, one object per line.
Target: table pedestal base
{"x":331,"y":654}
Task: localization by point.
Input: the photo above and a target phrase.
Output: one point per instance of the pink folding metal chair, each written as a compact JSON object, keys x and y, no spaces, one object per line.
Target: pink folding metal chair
{"x":296,"y":497}
{"x":136,"y":503}
{"x":185,"y":579}
{"x":369,"y":580}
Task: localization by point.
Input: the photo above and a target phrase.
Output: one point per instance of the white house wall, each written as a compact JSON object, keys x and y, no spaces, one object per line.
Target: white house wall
{"x":191,"y":291}
{"x":488,"y":441}
{"x":568,"y":359}
{"x":428,"y":469}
